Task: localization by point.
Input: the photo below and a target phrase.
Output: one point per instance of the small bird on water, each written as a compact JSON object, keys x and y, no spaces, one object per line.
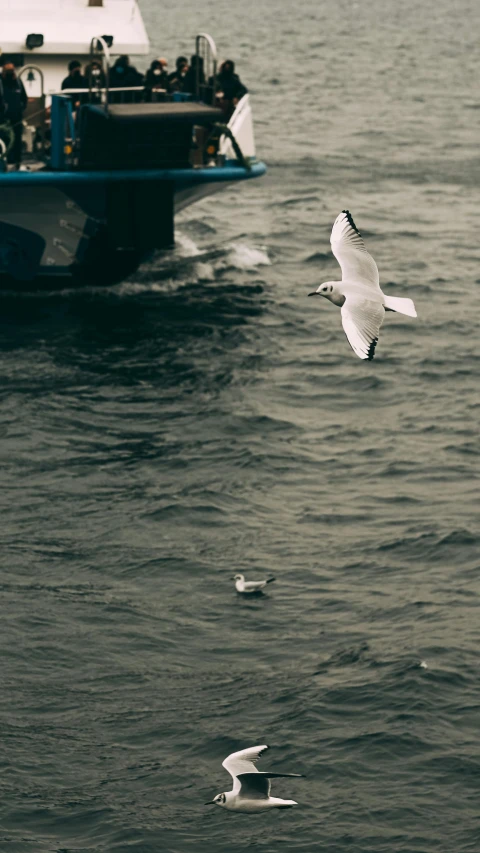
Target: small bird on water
{"x":358,"y":294}
{"x":247,"y":587}
{"x":251,"y":788}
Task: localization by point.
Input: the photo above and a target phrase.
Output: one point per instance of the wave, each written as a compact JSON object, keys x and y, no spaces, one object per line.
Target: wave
{"x":429,"y":544}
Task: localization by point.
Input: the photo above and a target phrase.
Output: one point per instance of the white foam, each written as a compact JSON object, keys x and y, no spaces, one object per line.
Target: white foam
{"x":246,"y":257}
{"x":204,"y":272}
{"x":185,"y":246}
{"x":133,"y":288}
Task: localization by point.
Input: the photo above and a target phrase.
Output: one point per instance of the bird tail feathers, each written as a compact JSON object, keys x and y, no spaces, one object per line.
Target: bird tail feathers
{"x":401,"y":305}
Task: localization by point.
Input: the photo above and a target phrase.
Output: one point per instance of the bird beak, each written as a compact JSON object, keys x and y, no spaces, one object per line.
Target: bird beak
{"x":210,"y":803}
{"x":313,"y":293}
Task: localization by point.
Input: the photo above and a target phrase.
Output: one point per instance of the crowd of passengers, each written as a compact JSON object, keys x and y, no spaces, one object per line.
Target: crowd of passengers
{"x":154,"y":85}
{"x":157,"y":81}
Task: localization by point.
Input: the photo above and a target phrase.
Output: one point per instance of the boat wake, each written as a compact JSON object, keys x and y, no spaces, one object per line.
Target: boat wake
{"x":167,"y":271}
{"x":187,"y":264}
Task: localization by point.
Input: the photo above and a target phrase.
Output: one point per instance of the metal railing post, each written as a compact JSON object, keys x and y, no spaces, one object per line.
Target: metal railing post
{"x":209,"y":56}
{"x":25,"y":70}
{"x":105,"y":58}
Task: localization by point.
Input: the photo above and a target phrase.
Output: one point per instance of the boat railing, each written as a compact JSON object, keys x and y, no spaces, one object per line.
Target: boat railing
{"x":206,"y":67}
{"x":121,"y":95}
{"x":56,"y":133}
{"x":34,"y":115}
{"x":99,"y":50}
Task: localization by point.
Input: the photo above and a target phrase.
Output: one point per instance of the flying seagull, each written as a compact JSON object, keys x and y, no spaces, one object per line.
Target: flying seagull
{"x":251,"y":789}
{"x":247,"y":587}
{"x":358,"y":294}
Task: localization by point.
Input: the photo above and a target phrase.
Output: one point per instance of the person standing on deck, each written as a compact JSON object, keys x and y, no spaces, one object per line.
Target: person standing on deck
{"x":3,"y":107}
{"x":229,"y":84}
{"x":194,"y":76}
{"x":156,"y":79}
{"x":15,"y":100}
{"x":76,"y":80}
{"x":177,"y":78}
{"x":124,"y":76}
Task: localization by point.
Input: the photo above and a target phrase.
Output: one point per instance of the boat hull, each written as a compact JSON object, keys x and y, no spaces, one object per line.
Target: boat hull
{"x":95,"y":227}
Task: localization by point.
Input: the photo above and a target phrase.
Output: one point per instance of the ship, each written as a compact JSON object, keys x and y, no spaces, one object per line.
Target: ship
{"x":104,"y":170}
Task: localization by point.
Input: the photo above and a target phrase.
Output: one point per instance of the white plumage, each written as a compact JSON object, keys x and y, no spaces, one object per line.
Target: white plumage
{"x":248,"y":587}
{"x":251,"y":788}
{"x":359,"y":295}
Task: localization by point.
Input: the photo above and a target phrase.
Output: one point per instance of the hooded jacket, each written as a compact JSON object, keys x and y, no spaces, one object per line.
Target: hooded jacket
{"x":14,"y":97}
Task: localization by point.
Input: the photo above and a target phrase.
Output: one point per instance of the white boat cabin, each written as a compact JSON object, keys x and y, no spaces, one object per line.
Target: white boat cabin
{"x":50,"y":33}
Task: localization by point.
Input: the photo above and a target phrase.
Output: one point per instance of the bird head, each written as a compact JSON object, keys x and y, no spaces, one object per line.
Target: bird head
{"x":219,"y":800}
{"x":325,"y":289}
{"x":238,"y":577}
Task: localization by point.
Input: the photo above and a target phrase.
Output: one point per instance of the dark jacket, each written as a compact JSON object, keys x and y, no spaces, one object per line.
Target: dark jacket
{"x":231,"y":86}
{"x":122,"y":77}
{"x":14,"y":97}
{"x":156,"y":81}
{"x":75,"y":81}
{"x":175,"y":81}
{"x":2,"y":102}
{"x":194,"y":74}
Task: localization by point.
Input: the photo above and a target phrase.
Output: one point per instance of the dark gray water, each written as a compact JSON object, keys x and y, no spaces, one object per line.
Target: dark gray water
{"x":204,"y":417}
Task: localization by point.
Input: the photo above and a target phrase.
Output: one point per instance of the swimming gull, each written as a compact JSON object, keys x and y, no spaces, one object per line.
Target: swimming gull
{"x":247,"y":587}
{"x":358,"y":294}
{"x":251,"y":788}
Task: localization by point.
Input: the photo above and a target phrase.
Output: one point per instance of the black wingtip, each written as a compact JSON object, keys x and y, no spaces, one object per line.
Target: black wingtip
{"x":371,"y":351}
{"x":283,"y":775}
{"x":270,"y":580}
{"x":350,"y":219}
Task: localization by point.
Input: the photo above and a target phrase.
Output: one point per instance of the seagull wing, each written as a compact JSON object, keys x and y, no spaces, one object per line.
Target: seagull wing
{"x":254,"y":586}
{"x":256,"y":786}
{"x":349,"y":249}
{"x":361,"y":320}
{"x":243,"y":762}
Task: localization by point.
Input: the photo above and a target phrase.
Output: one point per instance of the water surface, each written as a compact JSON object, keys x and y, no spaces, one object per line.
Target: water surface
{"x":204,"y":417}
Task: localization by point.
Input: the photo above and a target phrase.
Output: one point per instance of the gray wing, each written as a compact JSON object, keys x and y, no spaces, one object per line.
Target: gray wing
{"x":349,"y":249}
{"x":254,"y":786}
{"x":361,"y":319}
{"x":254,"y":586}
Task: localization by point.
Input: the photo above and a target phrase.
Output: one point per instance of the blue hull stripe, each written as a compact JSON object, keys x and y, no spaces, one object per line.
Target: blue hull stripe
{"x":181,"y":177}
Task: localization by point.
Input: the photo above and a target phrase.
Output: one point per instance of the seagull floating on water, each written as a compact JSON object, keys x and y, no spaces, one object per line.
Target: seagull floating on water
{"x":358,"y":294}
{"x":247,"y":587}
{"x":251,"y":788}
